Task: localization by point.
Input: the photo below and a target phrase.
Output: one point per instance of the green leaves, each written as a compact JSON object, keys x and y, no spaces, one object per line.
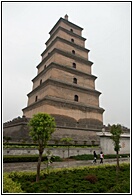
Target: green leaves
{"x":66,"y":140}
{"x":42,"y":125}
{"x":70,"y":180}
{"x":9,"y":186}
{"x":116,"y":132}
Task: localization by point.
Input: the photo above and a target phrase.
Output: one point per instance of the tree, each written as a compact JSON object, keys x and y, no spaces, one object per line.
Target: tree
{"x":67,"y":140}
{"x":116,"y":132}
{"x":42,"y":126}
{"x":6,"y":138}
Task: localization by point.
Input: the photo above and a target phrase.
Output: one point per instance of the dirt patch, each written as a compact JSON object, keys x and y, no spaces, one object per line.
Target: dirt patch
{"x":68,"y":159}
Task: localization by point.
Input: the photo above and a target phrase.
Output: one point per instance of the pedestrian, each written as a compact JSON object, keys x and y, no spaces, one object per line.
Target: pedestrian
{"x":101,"y":157}
{"x":95,"y":157}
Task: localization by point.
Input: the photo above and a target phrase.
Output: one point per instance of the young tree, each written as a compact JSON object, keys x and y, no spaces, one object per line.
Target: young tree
{"x":116,"y":132}
{"x":67,"y":140}
{"x":42,"y":126}
{"x":6,"y":139}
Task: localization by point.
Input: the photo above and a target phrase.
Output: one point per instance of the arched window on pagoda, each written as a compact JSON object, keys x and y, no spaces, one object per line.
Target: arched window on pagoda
{"x":75,"y":80}
{"x":75,"y":97}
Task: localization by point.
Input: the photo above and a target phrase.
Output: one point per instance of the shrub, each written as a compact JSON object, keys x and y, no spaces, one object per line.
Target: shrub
{"x":9,"y":186}
{"x":91,"y":178}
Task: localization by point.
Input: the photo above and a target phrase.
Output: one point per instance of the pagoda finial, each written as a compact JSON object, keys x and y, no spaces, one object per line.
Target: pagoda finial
{"x":66,"y":17}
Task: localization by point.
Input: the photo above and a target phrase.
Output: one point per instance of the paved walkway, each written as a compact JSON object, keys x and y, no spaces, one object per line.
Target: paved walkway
{"x":31,"y":166}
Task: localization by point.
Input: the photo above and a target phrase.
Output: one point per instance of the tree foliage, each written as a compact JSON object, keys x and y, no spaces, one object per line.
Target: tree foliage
{"x":6,"y":139}
{"x":67,"y":140}
{"x":42,"y":126}
{"x":116,"y":132}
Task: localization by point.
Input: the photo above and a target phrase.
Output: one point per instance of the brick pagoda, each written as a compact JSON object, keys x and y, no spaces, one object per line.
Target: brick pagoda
{"x":64,"y":85}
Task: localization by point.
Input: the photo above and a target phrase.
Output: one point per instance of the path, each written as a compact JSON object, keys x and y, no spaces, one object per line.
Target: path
{"x":31,"y":166}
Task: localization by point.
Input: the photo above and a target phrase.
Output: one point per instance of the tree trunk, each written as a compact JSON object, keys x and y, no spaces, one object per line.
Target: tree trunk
{"x":117,"y":167}
{"x":38,"y":166}
{"x":68,"y":151}
{"x":117,"y":156}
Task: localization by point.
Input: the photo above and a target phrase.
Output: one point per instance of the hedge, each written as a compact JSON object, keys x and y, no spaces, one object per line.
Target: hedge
{"x":27,"y":158}
{"x":34,"y":158}
{"x":90,"y":157}
{"x":9,"y":186}
{"x":92,"y":179}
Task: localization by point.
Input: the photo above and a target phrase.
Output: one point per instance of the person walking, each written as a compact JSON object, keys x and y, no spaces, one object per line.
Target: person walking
{"x":95,"y":157}
{"x":101,"y":157}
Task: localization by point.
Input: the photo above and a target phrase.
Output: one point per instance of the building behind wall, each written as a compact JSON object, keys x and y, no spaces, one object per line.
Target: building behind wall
{"x":65,"y":86}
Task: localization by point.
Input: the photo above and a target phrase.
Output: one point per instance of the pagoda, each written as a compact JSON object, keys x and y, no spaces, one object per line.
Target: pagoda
{"x":64,"y":86}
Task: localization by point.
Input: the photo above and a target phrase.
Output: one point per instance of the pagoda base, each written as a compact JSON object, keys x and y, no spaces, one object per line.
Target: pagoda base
{"x":18,"y":131}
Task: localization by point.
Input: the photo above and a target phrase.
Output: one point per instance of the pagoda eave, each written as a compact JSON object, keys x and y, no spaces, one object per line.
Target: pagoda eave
{"x":66,"y":31}
{"x":64,"y":41}
{"x":67,"y":54}
{"x":66,"y":68}
{"x":55,"y":82}
{"x":64,"y":103}
{"x":65,"y":21}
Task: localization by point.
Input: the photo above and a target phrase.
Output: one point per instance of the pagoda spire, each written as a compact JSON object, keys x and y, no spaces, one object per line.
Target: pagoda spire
{"x":66,"y":17}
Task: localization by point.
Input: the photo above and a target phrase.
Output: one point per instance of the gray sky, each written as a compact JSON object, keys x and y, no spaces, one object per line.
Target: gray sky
{"x":25,"y":29}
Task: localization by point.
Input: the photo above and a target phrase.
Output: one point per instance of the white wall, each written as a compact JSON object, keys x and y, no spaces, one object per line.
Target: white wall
{"x":106,"y":144}
{"x":62,"y":152}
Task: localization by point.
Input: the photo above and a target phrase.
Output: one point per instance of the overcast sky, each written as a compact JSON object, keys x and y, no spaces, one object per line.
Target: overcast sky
{"x":107,"y":28}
